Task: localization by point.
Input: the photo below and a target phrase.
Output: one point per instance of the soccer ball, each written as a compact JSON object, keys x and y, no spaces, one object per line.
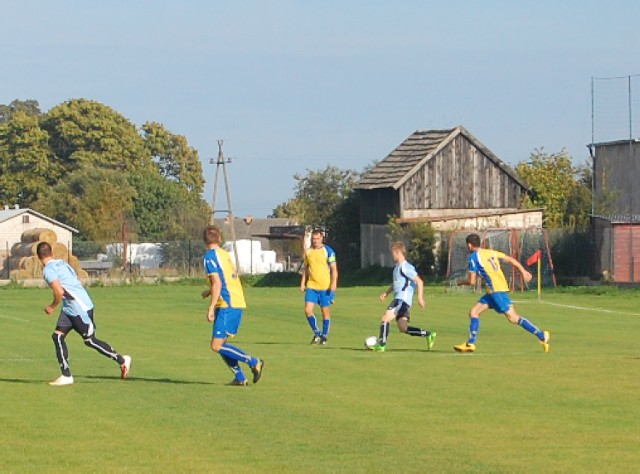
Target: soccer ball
{"x":370,"y":342}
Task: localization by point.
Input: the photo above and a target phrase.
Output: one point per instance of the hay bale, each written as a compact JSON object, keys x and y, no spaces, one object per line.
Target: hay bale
{"x":60,"y":251}
{"x":82,"y":273}
{"x":31,"y":264}
{"x":39,"y":234}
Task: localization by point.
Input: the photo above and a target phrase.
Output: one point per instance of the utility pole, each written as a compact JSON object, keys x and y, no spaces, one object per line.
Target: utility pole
{"x":221,"y":162}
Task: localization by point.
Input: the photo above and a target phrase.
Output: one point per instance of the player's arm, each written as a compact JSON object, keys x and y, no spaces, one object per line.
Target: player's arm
{"x":215,"y":287}
{"x":58,"y":293}
{"x":512,"y":261}
{"x":420,"y":284}
{"x":303,"y":280}
{"x":469,"y":281}
{"x":333,"y":269}
{"x":386,"y":293}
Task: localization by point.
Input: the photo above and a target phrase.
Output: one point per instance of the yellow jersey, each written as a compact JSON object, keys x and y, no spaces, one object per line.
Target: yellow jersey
{"x":218,"y":260}
{"x":317,"y":262}
{"x":486,"y":263}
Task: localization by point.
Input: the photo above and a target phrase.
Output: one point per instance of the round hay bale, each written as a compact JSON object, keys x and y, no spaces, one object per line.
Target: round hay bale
{"x":39,"y":234}
{"x":81,"y":273}
{"x":24,"y":250}
{"x":60,"y":251}
{"x":31,"y":264}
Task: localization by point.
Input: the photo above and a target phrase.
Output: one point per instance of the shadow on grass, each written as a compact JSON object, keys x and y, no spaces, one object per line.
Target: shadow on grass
{"x":145,"y":379}
{"x":361,"y":349}
{"x":38,"y":381}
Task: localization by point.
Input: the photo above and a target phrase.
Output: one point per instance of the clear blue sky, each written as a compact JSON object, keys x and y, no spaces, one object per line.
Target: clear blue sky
{"x":291,"y":85}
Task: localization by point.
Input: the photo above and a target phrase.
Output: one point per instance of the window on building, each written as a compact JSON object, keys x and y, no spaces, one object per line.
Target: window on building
{"x":25,"y":218}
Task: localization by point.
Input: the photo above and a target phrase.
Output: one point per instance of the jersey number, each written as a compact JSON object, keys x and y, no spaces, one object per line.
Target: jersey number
{"x":493,"y":261}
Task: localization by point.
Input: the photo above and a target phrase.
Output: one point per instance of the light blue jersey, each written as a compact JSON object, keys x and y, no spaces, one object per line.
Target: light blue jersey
{"x":76,"y":300}
{"x":403,"y":284}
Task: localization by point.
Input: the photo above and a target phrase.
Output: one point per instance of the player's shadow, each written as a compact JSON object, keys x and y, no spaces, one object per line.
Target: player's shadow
{"x":360,"y":349}
{"x":275,"y":343}
{"x":135,"y":379}
{"x":26,"y":381}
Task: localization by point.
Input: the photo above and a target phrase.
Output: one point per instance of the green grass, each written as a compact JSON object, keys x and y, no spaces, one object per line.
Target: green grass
{"x":506,"y":408}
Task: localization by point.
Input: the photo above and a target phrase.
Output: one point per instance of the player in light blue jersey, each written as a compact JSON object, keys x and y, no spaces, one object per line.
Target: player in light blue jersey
{"x":405,"y":281}
{"x":76,"y":314}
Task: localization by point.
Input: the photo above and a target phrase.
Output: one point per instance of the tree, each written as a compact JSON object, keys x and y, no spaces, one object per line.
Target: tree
{"x":318,"y":195}
{"x":29,"y":107}
{"x":96,"y":201}
{"x":25,"y":167}
{"x":419,"y":238}
{"x":559,"y":187}
{"x":164,"y":210}
{"x":174,"y":157}
{"x":84,"y":132}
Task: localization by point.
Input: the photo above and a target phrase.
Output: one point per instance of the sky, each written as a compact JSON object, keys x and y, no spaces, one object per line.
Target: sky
{"x":292,"y":86}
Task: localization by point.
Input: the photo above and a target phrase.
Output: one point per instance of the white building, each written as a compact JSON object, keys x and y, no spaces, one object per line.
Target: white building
{"x":14,"y":221}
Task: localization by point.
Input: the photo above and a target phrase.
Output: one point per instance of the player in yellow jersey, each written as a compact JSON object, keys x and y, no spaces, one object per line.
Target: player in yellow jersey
{"x":486,"y":264}
{"x":319,"y":283}
{"x":226,"y":307}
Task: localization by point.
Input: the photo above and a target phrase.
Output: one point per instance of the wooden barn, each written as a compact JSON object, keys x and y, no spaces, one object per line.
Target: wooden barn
{"x":617,"y":252}
{"x":446,"y":177}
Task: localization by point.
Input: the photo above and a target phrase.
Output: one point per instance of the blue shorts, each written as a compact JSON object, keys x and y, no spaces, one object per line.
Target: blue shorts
{"x":498,"y":301}
{"x":227,"y":322}
{"x":322,"y":297}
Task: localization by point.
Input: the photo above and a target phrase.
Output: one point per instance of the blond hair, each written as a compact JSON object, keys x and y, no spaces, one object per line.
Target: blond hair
{"x":400,"y":247}
{"x":211,"y":235}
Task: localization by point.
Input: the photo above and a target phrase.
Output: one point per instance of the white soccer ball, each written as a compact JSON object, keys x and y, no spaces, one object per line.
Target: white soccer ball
{"x":370,"y":342}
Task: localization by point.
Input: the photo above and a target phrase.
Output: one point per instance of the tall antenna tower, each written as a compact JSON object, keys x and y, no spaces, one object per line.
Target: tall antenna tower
{"x":221,"y":162}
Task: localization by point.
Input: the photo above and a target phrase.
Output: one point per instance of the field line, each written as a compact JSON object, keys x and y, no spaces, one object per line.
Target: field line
{"x":581,"y":308}
{"x":14,"y":319}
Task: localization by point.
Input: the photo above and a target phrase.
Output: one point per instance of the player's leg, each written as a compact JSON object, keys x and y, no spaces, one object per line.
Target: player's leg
{"x":326,"y":300}
{"x":85,"y":326}
{"x":385,"y":324}
{"x":226,"y":324}
{"x":59,"y":335}
{"x":310,"y":300}
{"x":474,"y":324}
{"x":514,"y":318}
{"x":403,"y":325}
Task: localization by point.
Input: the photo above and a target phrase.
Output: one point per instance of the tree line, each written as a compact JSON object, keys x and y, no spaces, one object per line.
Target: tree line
{"x":85,"y":164}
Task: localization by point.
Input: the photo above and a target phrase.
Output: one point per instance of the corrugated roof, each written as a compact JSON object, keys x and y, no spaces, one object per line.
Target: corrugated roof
{"x":414,"y":152}
{"x":620,"y":218}
{"x":6,"y":214}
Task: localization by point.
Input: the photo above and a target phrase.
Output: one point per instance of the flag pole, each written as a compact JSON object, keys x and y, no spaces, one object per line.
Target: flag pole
{"x":539,"y":279}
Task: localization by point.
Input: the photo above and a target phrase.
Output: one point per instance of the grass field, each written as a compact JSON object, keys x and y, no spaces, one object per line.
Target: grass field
{"x":506,"y":408}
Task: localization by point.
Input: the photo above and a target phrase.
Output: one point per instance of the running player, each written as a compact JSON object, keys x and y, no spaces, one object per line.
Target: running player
{"x":226,"y":307}
{"x":405,"y":281}
{"x":486,"y":264}
{"x":319,"y":283}
{"x":76,"y":314}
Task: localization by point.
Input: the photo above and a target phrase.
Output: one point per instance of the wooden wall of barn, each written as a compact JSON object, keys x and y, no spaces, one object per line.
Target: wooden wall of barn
{"x":377,"y":205}
{"x":460,"y":176}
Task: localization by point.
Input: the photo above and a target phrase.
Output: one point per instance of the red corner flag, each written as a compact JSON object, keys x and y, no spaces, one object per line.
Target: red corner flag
{"x":535,"y":256}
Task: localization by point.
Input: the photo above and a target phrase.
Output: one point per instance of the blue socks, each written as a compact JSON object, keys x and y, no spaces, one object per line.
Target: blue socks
{"x":326,"y":324}
{"x":526,"y":324}
{"x":235,"y":368}
{"x":314,"y":324}
{"x":474,"y":327}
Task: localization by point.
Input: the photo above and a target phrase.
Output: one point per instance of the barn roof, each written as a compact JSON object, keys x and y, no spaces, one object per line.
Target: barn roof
{"x":415,"y":151}
{"x":6,"y":214}
{"x":619,"y":218}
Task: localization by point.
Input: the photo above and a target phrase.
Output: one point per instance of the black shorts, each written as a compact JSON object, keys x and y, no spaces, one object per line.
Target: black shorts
{"x":400,"y":308}
{"x":85,"y":328}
